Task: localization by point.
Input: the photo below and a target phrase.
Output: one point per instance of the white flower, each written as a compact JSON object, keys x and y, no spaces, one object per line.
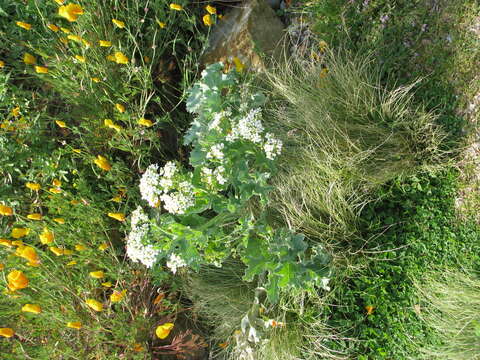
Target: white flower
{"x":169,"y":170}
{"x":137,"y":251}
{"x":217,"y":119}
{"x":216,"y":152}
{"x":219,"y":175}
{"x":175,"y":262}
{"x":324,"y":283}
{"x":248,"y":128}
{"x":272,"y":146}
{"x":215,"y":123}
{"x":207,"y":175}
{"x":178,"y":202}
{"x":149,"y":186}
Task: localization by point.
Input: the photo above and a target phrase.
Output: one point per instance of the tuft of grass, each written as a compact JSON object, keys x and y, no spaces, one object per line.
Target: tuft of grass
{"x":344,"y":136}
{"x":220,"y":297}
{"x":453,"y":310}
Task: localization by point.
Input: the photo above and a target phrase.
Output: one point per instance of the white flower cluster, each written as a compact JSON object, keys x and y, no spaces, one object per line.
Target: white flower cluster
{"x":210,"y":176}
{"x":248,"y":128}
{"x":179,"y":201}
{"x":149,"y":186}
{"x":251,"y":128}
{"x":158,"y":186}
{"x":219,"y":174}
{"x":167,"y":173}
{"x":217,"y":119}
{"x":272,"y":146}
{"x":175,"y":262}
{"x":136,"y":250}
{"x":216,"y":152}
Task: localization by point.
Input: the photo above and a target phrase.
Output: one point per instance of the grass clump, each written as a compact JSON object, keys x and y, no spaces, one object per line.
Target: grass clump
{"x":453,"y":310}
{"x":220,"y":297}
{"x":347,"y":135}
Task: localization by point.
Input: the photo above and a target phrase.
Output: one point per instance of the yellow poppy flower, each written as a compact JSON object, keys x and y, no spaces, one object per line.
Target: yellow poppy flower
{"x":29,"y":59}
{"x":117,"y":296}
{"x":107,"y":284}
{"x":207,"y":20}
{"x":67,"y":252}
{"x":86,"y":43}
{"x":74,"y":325}
{"x":57,"y":251}
{"x":145,"y":122}
{"x":41,"y":69}
{"x":32,"y":308}
{"x":53,"y":27}
{"x":176,"y":7}
{"x":33,"y":186}
{"x":71,"y":263}
{"x":104,"y":43}
{"x":80,"y":58}
{"x":7,"y":332}
{"x":109,"y":123}
{"x":71,"y":12}
{"x":120,"y":58}
{"x":74,"y":38}
{"x":28,"y":253}
{"x":55,"y":190}
{"x":117,"y":199}
{"x":35,"y":216}
{"x":161,"y":24}
{"x":6,"y":210}
{"x":59,"y":220}
{"x":158,"y":298}
{"x":63,"y":40}
{"x":17,"y":280}
{"x":2,"y":266}
{"x":97,"y":274}
{"x":111,"y":58}
{"x":95,"y":79}
{"x":65,"y":30}
{"x":2,"y":63}
{"x":163,"y":331}
{"x":6,"y":242}
{"x":59,"y":2}
{"x":118,"y":23}
{"x":18,"y":233}
{"x":210,"y":9}
{"x":120,"y":108}
{"x":61,"y":123}
{"x":138,"y":347}
{"x":94,"y":304}
{"x":16,"y":111}
{"x":24,"y":25}
{"x":369,"y":309}
{"x":102,"y":163}
{"x":80,"y":247}
{"x":17,"y":243}
{"x":103,"y":247}
{"x":239,"y":66}
{"x":117,"y":216}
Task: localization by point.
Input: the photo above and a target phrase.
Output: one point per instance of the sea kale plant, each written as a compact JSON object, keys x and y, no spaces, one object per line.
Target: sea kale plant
{"x":214,"y":209}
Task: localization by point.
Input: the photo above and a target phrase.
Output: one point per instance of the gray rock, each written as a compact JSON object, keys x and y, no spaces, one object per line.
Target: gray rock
{"x":251,"y":32}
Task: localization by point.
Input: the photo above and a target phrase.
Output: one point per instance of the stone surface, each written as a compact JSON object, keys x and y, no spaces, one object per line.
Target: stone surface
{"x":252,"y":32}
